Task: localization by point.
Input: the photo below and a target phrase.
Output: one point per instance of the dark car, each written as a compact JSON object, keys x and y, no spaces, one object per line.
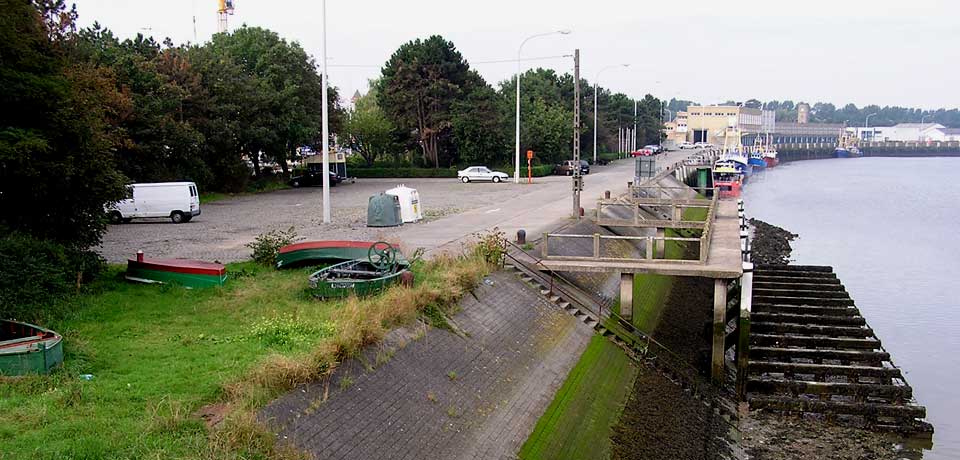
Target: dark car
{"x":309,"y":178}
{"x":584,"y":167}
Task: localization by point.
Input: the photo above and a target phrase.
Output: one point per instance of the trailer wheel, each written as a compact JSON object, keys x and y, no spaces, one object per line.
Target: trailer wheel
{"x":177,"y":217}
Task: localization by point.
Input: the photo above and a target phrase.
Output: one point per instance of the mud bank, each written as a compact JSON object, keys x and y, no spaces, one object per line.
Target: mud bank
{"x":662,"y":419}
{"x":770,"y":244}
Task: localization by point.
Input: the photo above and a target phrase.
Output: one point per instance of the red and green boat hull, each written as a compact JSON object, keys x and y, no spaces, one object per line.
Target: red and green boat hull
{"x":28,"y":349}
{"x":187,"y":273}
{"x":322,"y":252}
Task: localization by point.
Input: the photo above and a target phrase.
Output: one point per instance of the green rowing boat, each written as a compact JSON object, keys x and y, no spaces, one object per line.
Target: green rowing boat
{"x":320,"y":252}
{"x":28,"y":349}
{"x":383,"y":267}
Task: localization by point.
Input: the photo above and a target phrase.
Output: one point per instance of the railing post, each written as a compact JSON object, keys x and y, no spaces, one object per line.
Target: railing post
{"x":743,"y":328}
{"x":596,"y":245}
{"x":649,"y":248}
{"x":544,"y":250}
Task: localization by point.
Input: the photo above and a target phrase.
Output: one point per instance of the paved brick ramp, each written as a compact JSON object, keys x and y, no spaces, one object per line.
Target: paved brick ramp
{"x":443,"y":395}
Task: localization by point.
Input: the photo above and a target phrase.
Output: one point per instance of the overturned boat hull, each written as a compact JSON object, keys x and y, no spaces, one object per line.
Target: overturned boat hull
{"x":318,"y":252}
{"x":185,"y":272}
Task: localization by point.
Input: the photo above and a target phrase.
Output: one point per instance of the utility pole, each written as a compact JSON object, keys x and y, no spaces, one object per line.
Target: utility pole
{"x":634,"y":137}
{"x":577,"y":179}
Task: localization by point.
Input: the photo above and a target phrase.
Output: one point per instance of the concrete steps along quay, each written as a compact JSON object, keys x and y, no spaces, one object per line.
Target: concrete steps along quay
{"x":811,"y":351}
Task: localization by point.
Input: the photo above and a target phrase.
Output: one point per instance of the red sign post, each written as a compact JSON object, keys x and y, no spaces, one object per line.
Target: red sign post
{"x":529,"y":169}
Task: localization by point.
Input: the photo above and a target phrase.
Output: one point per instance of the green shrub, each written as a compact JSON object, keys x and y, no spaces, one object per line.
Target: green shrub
{"x":401,"y":172}
{"x":538,"y":171}
{"x":267,"y":245}
{"x":35,"y":275}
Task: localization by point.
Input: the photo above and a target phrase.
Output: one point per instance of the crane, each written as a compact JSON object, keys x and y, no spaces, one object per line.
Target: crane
{"x":225,"y":8}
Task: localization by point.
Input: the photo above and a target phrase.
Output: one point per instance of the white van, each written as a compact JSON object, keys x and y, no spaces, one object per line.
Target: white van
{"x":177,"y":200}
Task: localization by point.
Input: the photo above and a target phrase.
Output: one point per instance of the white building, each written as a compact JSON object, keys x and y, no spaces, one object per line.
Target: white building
{"x":902,"y":132}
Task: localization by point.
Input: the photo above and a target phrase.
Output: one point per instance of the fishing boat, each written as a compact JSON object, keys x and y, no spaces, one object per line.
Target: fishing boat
{"x":382,"y":267}
{"x":185,"y":272}
{"x":770,"y":156}
{"x":28,"y":349}
{"x":318,"y":252}
{"x":728,"y":180}
{"x":756,"y":159}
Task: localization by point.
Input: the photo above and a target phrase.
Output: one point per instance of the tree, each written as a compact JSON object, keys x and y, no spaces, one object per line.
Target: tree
{"x":478,"y":133}
{"x":57,"y":129}
{"x":367,"y":129}
{"x":417,"y":89}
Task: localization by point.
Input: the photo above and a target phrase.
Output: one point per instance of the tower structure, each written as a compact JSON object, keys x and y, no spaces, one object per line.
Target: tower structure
{"x":224,"y":9}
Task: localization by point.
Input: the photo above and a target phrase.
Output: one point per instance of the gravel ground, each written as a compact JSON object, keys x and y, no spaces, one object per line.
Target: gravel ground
{"x":225,"y":226}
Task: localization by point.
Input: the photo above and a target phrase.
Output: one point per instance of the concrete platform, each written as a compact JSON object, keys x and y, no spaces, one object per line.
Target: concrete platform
{"x":723,"y":258}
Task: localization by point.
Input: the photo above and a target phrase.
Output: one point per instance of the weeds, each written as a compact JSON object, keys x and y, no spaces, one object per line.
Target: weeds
{"x":267,"y":245}
{"x":346,"y":382}
{"x":491,"y":246}
{"x":452,"y":375}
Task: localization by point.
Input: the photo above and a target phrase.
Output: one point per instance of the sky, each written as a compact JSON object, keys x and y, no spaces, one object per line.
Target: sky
{"x":882,"y":52}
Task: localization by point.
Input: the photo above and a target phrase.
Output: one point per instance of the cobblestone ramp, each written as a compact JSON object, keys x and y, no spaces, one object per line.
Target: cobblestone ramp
{"x":440,"y":395}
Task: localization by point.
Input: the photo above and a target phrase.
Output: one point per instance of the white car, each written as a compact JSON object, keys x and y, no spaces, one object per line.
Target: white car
{"x":686,"y":145}
{"x":703,"y":145}
{"x":481,"y":173}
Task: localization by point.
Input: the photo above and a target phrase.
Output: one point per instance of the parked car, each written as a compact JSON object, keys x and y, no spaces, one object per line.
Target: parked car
{"x":641,"y":153}
{"x":481,"y":173}
{"x":703,"y":145}
{"x":309,"y":178}
{"x":565,"y":168}
{"x":655,"y":148}
{"x":584,"y":167}
{"x":178,"y":201}
{"x":686,"y":145}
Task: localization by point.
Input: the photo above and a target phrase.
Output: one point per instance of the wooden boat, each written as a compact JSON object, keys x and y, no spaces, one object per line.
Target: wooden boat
{"x":318,"y":252}
{"x":185,"y":272}
{"x":360,"y":277}
{"x":28,"y":349}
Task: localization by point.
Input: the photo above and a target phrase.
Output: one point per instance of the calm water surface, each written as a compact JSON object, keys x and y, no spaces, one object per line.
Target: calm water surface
{"x":890,"y":227}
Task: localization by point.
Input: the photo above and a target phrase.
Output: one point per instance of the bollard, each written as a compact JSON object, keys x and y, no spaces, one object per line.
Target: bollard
{"x":140,"y":256}
{"x":743,"y":245}
{"x":521,"y":237}
{"x":743,"y":328}
{"x":606,"y":194}
{"x":581,"y":212}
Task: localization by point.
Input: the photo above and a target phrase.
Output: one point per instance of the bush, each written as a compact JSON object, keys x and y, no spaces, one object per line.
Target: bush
{"x":401,"y":172}
{"x":267,"y":245}
{"x":538,"y":171}
{"x":35,"y":275}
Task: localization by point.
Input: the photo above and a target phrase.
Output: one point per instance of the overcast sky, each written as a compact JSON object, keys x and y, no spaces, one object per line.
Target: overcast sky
{"x":862,"y":51}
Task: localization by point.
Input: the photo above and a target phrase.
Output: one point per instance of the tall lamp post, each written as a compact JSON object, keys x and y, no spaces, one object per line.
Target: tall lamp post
{"x":516,"y":165}
{"x":596,"y":86}
{"x":866,"y":124}
{"x":920,"y":131}
{"x":326,"y":122}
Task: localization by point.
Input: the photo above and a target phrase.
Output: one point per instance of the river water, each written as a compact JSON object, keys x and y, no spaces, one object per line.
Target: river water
{"x":889,"y":227}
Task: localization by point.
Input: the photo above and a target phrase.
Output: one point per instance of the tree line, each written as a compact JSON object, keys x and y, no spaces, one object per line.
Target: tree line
{"x":429,"y":108}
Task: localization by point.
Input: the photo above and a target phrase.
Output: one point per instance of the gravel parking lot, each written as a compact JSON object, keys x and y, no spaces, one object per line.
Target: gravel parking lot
{"x":225,"y":226}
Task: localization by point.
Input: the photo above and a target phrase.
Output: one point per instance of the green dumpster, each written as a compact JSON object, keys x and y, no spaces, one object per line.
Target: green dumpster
{"x":383,"y":211}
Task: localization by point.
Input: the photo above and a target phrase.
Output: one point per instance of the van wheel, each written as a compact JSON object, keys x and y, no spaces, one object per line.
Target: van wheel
{"x":496,"y":179}
{"x":465,"y":179}
{"x":116,"y":218}
{"x":177,"y":217}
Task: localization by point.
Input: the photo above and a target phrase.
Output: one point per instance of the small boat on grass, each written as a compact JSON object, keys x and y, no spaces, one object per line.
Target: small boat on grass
{"x":28,"y":349}
{"x":185,"y":272}
{"x":382,"y":268}
{"x":318,"y":252}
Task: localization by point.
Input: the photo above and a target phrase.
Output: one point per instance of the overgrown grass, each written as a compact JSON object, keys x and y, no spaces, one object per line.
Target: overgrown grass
{"x":578,"y":422}
{"x":160,"y":353}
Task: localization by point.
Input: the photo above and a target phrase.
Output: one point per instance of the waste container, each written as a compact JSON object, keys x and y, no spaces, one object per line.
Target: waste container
{"x":410,"y":209}
{"x":383,"y":211}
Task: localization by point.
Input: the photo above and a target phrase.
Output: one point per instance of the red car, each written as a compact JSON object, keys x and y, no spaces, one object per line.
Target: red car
{"x":641,"y":153}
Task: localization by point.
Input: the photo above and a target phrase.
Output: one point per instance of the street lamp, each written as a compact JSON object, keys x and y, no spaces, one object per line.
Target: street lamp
{"x":596,"y":86}
{"x":326,"y":124}
{"x":866,"y":124}
{"x":516,"y":166}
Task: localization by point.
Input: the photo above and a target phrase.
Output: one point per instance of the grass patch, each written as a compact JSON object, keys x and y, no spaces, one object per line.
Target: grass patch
{"x":579,"y":420}
{"x":160,"y":353}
